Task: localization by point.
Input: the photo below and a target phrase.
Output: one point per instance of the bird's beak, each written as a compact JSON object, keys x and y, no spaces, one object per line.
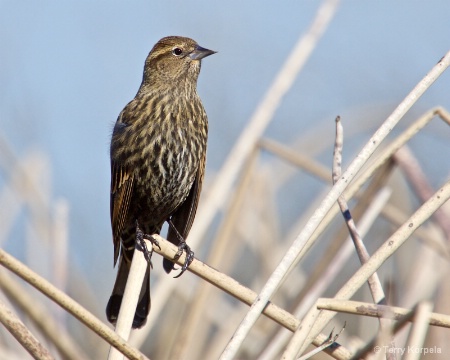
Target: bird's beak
{"x":200,"y":53}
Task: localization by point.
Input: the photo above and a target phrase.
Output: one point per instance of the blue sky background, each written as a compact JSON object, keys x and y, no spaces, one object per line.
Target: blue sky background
{"x":67,"y":70}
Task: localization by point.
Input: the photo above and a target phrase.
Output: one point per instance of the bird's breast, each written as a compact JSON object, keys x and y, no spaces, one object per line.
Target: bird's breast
{"x":168,"y":143}
{"x":166,"y":169}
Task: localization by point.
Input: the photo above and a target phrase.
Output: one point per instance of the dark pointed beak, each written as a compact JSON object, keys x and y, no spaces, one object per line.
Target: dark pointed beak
{"x":200,"y":53}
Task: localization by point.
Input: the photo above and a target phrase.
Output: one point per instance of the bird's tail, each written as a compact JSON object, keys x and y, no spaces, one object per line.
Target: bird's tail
{"x":143,"y":306}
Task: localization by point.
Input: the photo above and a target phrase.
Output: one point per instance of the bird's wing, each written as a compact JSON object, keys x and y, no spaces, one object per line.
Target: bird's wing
{"x":121,"y":190}
{"x":183,"y":217}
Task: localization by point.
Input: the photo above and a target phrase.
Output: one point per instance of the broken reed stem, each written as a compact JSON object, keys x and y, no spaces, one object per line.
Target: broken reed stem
{"x":374,"y":282}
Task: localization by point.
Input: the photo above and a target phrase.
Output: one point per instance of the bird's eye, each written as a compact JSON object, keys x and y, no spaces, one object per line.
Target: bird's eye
{"x":177,"y":51}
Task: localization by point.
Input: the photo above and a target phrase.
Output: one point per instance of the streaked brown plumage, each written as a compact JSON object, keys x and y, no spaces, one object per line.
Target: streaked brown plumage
{"x":158,"y":153}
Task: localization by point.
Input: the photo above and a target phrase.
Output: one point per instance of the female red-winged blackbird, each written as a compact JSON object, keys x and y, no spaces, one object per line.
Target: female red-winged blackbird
{"x":158,"y":153}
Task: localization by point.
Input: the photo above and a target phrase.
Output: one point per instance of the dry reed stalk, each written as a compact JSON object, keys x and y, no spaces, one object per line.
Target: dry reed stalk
{"x":374,"y":310}
{"x":419,"y":330}
{"x":42,"y":319}
{"x":438,"y":244}
{"x":414,"y":174}
{"x":22,"y":334}
{"x":60,"y":252}
{"x":296,"y":158}
{"x":130,"y":299}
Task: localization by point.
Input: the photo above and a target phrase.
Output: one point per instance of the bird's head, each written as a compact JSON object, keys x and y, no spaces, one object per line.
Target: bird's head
{"x":174,"y":60}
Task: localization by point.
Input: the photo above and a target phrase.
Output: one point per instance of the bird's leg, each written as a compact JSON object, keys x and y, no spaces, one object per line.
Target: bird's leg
{"x":140,"y":236}
{"x":182,"y":246}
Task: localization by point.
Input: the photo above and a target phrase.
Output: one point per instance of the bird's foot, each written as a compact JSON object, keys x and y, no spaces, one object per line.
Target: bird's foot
{"x":140,"y":239}
{"x":189,"y":256}
{"x":182,"y":246}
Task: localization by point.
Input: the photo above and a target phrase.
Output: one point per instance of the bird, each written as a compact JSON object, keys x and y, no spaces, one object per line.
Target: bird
{"x":158,"y":156}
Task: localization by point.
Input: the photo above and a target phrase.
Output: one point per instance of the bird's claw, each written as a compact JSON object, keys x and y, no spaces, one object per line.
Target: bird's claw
{"x":152,"y":240}
{"x":189,"y":257}
{"x":140,"y":239}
